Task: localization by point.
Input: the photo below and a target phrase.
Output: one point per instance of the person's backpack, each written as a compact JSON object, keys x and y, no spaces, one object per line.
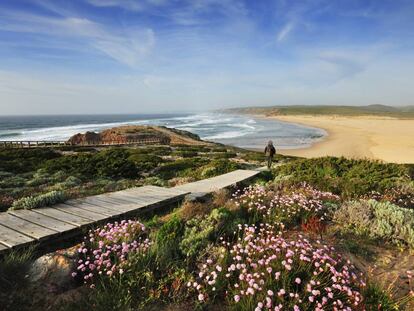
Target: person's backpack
{"x":270,"y":151}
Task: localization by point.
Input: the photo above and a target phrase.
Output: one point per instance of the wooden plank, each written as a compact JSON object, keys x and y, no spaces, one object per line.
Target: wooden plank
{"x":30,"y":229}
{"x":130,"y":199}
{"x":119,"y":206}
{"x":158,"y":192}
{"x":97,"y":209}
{"x":63,"y":216}
{"x":164,"y":196}
{"x":151,"y":200}
{"x":12,"y":238}
{"x":109,"y":200}
{"x":80,"y":212}
{"x":172,"y":191}
{"x":43,"y":220}
{"x":175,"y":191}
{"x":148,"y":195}
{"x":90,"y":200}
{"x":99,"y":200}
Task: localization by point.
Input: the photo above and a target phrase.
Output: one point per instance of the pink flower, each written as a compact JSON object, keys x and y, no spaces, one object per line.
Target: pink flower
{"x":298,"y":280}
{"x":236,"y":298}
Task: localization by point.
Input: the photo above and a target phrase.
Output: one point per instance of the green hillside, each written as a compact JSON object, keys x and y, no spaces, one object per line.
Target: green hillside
{"x":370,"y":110}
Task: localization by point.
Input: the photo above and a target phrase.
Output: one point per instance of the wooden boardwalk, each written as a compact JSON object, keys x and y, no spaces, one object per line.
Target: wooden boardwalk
{"x":205,"y":186}
{"x":48,"y":225}
{"x":43,"y":225}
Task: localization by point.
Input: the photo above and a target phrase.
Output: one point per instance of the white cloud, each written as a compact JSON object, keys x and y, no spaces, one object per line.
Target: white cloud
{"x":128,"y":46}
{"x":125,"y":4}
{"x":285,"y":31}
{"x":128,"y":50}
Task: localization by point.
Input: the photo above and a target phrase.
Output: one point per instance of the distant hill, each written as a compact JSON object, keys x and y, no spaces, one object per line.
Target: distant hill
{"x":374,"y":110}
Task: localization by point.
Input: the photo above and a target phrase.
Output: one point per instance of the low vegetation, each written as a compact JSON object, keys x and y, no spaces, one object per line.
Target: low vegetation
{"x":347,"y":177}
{"x":40,"y":177}
{"x":263,"y":249}
{"x":299,"y":238}
{"x":47,"y":199}
{"x":14,"y":283}
{"x":378,"y":220}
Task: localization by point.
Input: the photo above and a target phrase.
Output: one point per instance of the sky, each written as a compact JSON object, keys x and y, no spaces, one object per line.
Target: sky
{"x":150,"y":56}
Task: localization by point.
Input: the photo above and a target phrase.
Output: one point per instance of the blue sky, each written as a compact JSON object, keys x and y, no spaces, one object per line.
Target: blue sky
{"x":141,"y":56}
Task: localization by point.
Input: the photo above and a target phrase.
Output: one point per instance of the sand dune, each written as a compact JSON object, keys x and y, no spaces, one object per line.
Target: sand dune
{"x":387,"y":139}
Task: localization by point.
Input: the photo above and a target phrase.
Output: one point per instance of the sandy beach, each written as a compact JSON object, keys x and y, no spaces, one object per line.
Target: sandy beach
{"x":382,"y":138}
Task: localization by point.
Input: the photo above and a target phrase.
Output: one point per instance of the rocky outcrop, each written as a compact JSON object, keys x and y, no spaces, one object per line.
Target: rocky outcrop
{"x":88,"y":137}
{"x":53,"y":270}
{"x":138,"y":133}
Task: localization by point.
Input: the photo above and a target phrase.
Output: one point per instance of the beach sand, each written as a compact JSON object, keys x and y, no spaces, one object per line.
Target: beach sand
{"x":387,"y":139}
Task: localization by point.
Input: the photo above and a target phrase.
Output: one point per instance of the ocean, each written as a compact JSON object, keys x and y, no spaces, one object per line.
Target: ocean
{"x":241,"y":131}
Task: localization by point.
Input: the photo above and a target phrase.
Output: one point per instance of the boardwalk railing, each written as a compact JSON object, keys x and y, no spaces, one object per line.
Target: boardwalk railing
{"x":16,"y":144}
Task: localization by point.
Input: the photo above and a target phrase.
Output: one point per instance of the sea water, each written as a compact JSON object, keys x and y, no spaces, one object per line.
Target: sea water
{"x":237,"y":130}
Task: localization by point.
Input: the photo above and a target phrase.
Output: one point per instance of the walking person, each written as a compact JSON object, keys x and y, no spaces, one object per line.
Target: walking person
{"x":270,"y":152}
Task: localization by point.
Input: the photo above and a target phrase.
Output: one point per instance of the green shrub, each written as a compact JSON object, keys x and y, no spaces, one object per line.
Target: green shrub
{"x":159,"y":151}
{"x":199,"y":232}
{"x":68,"y":184}
{"x":37,"y":180}
{"x":13,"y":182}
{"x":219,"y":149}
{"x":81,"y":164}
{"x":144,"y":161}
{"x":174,"y":169}
{"x":24,"y":160}
{"x":14,"y":283}
{"x":380,"y":220}
{"x":5,"y":174}
{"x":378,"y":299}
{"x":47,"y":199}
{"x":185,"y":153}
{"x":115,"y":163}
{"x":193,"y":148}
{"x":348,"y":177}
{"x":214,"y":168}
{"x":155,"y":181}
{"x":112,"y":163}
{"x":72,"y":181}
{"x":167,"y":240}
{"x":254,"y":156}
{"x":223,"y":155}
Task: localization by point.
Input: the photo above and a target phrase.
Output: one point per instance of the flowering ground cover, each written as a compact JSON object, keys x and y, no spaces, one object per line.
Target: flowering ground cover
{"x":105,"y":250}
{"x":262,"y":270}
{"x":250,"y":252}
{"x":274,"y":245}
{"x":289,"y":206}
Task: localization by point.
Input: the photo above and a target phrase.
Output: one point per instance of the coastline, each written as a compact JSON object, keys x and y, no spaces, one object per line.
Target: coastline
{"x":381,"y":138}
